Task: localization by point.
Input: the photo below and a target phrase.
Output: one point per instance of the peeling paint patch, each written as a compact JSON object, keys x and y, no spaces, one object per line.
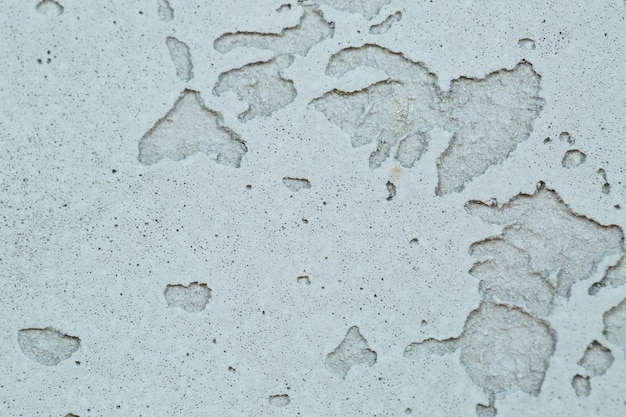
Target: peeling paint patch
{"x":47,"y":346}
{"x":261,"y":85}
{"x":311,"y":29}
{"x":192,"y":298}
{"x":487,"y":117}
{"x":353,"y":350}
{"x":188,"y":128}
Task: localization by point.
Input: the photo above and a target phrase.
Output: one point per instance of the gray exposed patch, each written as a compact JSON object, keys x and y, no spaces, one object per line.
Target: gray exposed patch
{"x":296,"y":184}
{"x":311,"y":29}
{"x":597,"y":359}
{"x":386,"y":24}
{"x":280,"y":400}
{"x":191,"y":298}
{"x":49,"y":8}
{"x":526,"y":43}
{"x":391,"y":190}
{"x":367,"y":8}
{"x":543,"y":233}
{"x":502,"y":348}
{"x":606,"y":187}
{"x":573,"y":158}
{"x":387,"y":112}
{"x":615,"y":276}
{"x":304,"y":280}
{"x":166,"y":13}
{"x":188,"y":128}
{"x":581,"y":385}
{"x":506,"y":276}
{"x":615,"y":325}
{"x":566,"y":137}
{"x":47,"y":346}
{"x":179,"y":52}
{"x":411,"y":148}
{"x":353,"y":350}
{"x":261,"y":85}
{"x":488,"y":117}
{"x":544,"y":248}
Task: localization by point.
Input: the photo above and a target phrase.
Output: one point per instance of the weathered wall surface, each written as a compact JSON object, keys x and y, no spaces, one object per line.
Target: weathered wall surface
{"x":316,"y":208}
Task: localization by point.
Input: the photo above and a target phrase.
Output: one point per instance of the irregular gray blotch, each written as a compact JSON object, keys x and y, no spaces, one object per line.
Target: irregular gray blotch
{"x":280,"y":400}
{"x":581,"y":385}
{"x":615,"y":325}
{"x":311,"y":29}
{"x":615,"y":276}
{"x":47,"y":346}
{"x":304,"y":280}
{"x":506,"y":276}
{"x":526,"y":43}
{"x":166,"y":13}
{"x":261,"y":85}
{"x":386,"y":24}
{"x":188,"y":128}
{"x":391,"y":189}
{"x":411,"y":148}
{"x":597,"y":359}
{"x":296,"y":184}
{"x":49,"y":8}
{"x":191,"y":298}
{"x":487,"y":117}
{"x":546,"y":239}
{"x":353,"y":350}
{"x":181,"y":57}
{"x":367,"y":8}
{"x":502,"y":348}
{"x":573,"y":158}
{"x":606,"y":187}
{"x":566,"y":137}
{"x":544,"y":248}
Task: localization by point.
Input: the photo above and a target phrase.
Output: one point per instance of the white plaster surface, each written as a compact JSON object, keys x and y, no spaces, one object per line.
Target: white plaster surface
{"x":391,"y":208}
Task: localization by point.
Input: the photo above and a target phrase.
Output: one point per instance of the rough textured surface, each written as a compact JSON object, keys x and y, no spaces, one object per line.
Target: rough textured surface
{"x":596,"y":359}
{"x":188,"y":128}
{"x":47,"y":346}
{"x":367,"y":8}
{"x":615,"y":276}
{"x":280,"y":400}
{"x":261,"y":85}
{"x":573,"y":158}
{"x":49,"y":8}
{"x":581,"y":385}
{"x":400,"y":109}
{"x":312,"y":29}
{"x":561,"y":247}
{"x":543,"y":250}
{"x":488,"y":117}
{"x":386,"y":24}
{"x":615,"y":325}
{"x":502,"y":348}
{"x":193,"y":297}
{"x":353,"y":350}
{"x":296,"y":184}
{"x":166,"y":13}
{"x":179,"y":51}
